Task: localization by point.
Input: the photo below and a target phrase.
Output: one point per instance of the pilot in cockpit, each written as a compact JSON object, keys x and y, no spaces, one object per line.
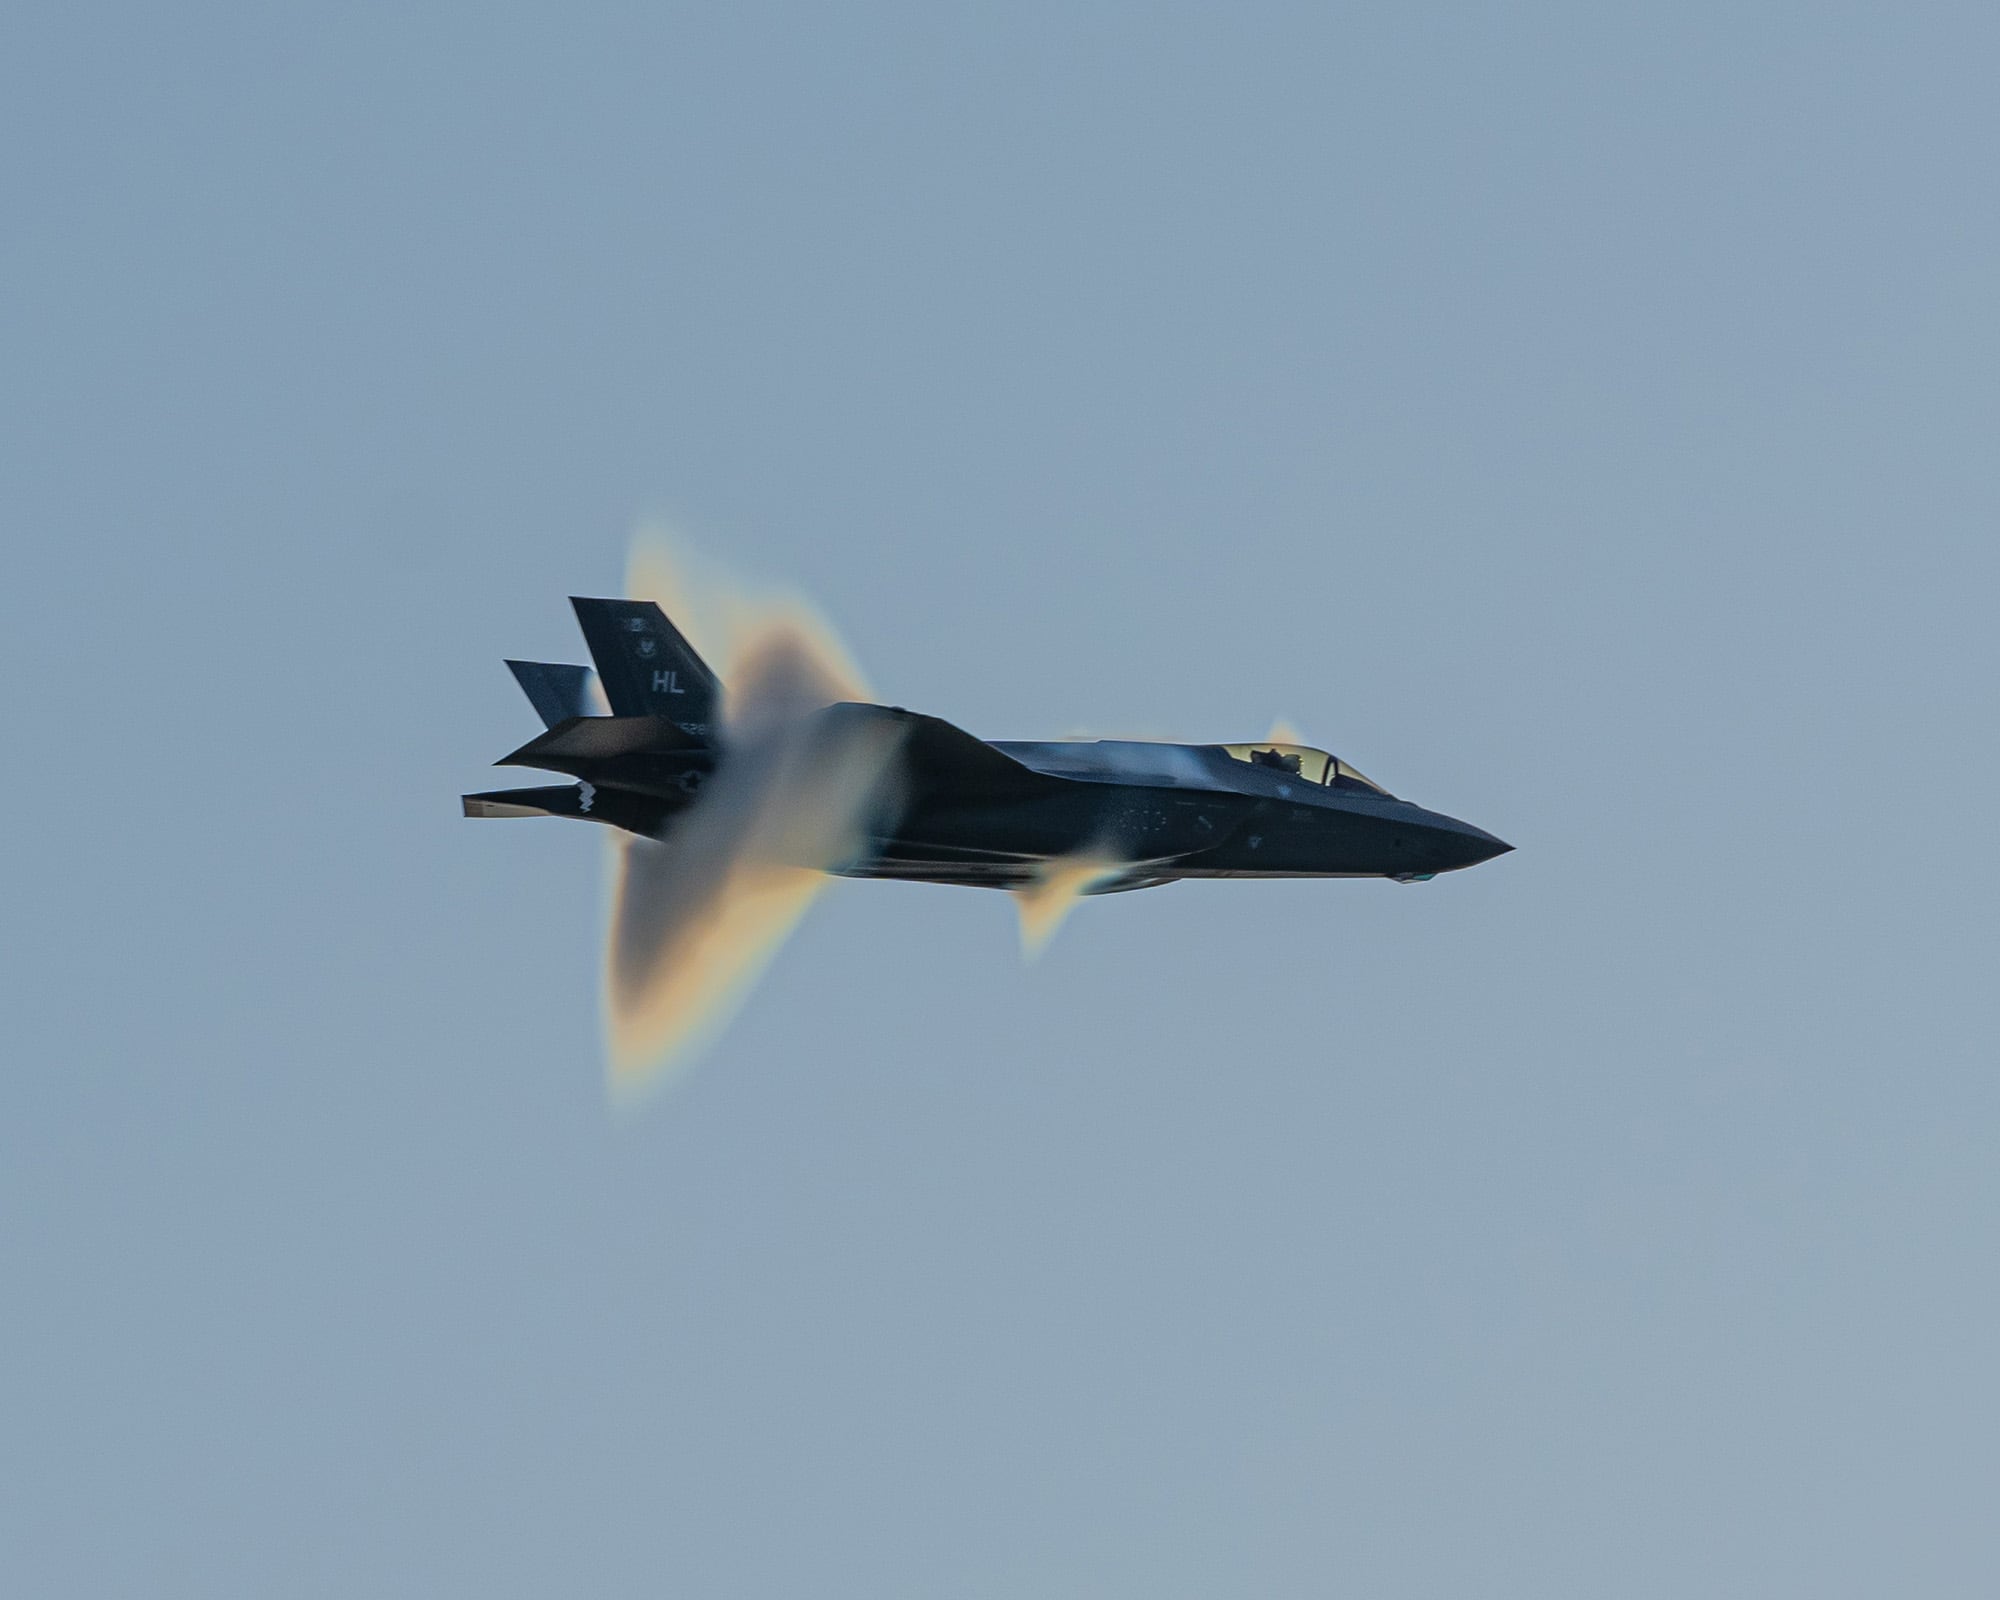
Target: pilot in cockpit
{"x":1277,"y":759}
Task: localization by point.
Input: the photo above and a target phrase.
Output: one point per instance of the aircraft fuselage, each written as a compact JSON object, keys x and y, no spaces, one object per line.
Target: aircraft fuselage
{"x":950,"y":808}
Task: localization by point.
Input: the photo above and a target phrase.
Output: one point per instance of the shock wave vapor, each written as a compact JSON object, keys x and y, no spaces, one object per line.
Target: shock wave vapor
{"x":728,"y":822}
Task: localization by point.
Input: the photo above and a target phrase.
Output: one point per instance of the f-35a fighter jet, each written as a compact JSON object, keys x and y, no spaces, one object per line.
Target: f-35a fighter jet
{"x":962,"y":810}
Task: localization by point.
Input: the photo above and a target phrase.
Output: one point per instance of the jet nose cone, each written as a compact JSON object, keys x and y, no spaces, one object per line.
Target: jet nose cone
{"x":1455,"y":844}
{"x":1482,"y":846}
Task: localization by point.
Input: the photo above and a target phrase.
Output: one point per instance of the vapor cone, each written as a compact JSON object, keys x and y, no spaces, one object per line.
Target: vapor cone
{"x":697,"y":914}
{"x":1045,"y":904}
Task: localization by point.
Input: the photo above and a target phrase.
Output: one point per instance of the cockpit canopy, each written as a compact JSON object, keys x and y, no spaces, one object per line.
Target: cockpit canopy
{"x":1304,"y":762}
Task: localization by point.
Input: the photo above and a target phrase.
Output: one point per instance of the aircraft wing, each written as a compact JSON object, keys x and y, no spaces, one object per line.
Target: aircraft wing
{"x":943,"y":762}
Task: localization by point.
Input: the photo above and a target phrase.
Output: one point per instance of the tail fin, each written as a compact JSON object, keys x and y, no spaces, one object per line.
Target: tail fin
{"x":557,"y":692}
{"x":646,"y":666}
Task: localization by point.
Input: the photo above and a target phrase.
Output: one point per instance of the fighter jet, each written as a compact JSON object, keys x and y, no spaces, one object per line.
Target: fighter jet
{"x":956,"y":809}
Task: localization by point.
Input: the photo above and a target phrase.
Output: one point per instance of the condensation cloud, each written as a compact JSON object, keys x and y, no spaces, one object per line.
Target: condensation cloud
{"x":697,"y":915}
{"x":1046,"y":903}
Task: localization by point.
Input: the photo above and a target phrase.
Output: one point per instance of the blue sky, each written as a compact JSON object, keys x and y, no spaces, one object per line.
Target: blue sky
{"x":1581,"y":420}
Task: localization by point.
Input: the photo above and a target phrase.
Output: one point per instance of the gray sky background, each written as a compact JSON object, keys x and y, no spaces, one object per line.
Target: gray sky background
{"x":1580,"y":418}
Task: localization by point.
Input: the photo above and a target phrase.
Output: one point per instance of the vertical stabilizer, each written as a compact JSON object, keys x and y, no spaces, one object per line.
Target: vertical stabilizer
{"x":557,"y":692}
{"x":646,"y":666}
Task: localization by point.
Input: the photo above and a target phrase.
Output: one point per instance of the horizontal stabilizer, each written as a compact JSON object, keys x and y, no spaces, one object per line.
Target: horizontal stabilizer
{"x":557,"y":692}
{"x":614,"y":807}
{"x":601,"y":739}
{"x":559,"y":800}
